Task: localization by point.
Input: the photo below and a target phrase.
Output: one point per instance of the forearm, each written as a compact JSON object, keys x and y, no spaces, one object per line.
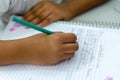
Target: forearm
{"x":8,"y":50}
{"x":79,"y":6}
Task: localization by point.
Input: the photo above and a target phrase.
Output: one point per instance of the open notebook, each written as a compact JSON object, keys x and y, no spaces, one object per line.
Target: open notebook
{"x":96,"y":59}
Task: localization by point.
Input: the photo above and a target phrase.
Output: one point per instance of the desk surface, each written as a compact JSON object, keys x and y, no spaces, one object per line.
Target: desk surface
{"x":104,"y":13}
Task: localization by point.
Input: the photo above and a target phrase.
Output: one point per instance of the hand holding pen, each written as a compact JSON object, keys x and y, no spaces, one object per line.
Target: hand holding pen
{"x":44,"y":49}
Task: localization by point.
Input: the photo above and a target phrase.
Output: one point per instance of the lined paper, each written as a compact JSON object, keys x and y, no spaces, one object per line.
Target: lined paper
{"x":82,"y":66}
{"x":110,"y":56}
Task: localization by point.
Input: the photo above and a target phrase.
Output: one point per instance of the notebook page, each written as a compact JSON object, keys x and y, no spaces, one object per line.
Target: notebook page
{"x":109,"y":59}
{"x":82,"y":66}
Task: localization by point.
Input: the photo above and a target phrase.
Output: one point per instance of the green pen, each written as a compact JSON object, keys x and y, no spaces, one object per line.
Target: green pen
{"x":30,"y":25}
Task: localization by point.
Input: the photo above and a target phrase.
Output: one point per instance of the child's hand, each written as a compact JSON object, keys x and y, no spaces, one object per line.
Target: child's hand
{"x":47,"y":12}
{"x":47,"y":49}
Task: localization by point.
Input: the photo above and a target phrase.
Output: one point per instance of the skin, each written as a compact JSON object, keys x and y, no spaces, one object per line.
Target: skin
{"x":46,"y":12}
{"x":35,"y":50}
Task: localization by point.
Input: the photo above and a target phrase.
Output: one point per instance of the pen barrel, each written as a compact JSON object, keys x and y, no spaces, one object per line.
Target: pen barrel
{"x":30,"y":25}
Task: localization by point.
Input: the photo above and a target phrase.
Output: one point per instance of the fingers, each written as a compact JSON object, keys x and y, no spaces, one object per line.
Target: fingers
{"x":49,"y":19}
{"x":64,"y":38}
{"x":70,"y":48}
{"x":32,"y":15}
{"x":35,"y":20}
{"x":69,"y":51}
{"x":68,"y":38}
{"x":67,"y":56}
{"x":33,"y":12}
{"x":43,"y":13}
{"x":33,"y":9}
{"x":40,"y":17}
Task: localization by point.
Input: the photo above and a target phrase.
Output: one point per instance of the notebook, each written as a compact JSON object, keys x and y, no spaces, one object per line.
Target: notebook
{"x":96,"y":59}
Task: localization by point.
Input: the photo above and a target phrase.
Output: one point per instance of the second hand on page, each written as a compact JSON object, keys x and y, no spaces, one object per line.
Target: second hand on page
{"x":30,"y":25}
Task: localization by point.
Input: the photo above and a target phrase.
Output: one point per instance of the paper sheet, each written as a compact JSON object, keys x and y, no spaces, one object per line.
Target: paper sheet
{"x":110,"y":56}
{"x":83,"y":66}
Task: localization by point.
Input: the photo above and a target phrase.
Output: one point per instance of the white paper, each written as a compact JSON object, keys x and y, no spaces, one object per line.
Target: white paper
{"x":83,"y":66}
{"x":109,"y":59}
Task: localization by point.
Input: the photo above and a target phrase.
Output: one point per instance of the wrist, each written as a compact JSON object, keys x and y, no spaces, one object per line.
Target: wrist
{"x":68,"y":7}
